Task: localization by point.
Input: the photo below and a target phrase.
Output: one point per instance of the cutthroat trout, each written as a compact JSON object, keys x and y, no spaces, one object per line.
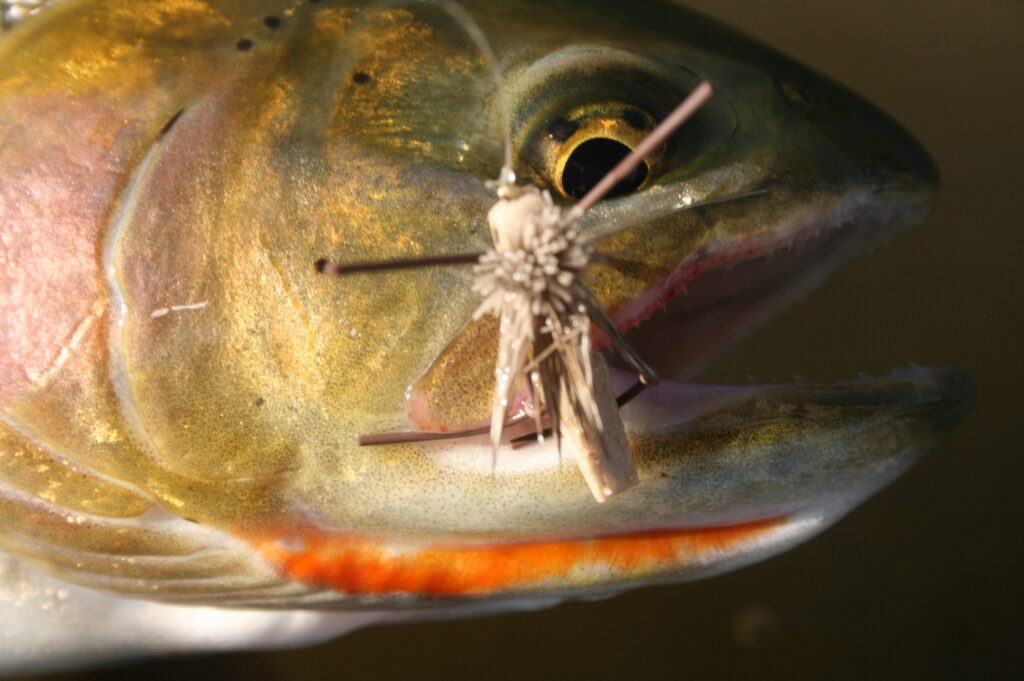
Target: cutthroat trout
{"x":181,"y":390}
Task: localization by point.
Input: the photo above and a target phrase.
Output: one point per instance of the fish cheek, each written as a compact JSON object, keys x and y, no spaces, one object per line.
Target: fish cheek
{"x":456,"y":392}
{"x":213,"y":358}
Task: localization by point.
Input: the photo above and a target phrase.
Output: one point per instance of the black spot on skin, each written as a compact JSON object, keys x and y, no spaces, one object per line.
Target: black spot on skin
{"x":169,"y":124}
{"x":361,"y":77}
{"x":635,"y":119}
{"x":321,"y":264}
{"x":272,"y":22}
{"x":561,"y":129}
{"x":244,"y":45}
{"x":260,"y":402}
{"x":190,"y":520}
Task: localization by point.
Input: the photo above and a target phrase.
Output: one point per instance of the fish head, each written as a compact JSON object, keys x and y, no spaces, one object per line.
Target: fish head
{"x":188,"y":361}
{"x":781,"y":178}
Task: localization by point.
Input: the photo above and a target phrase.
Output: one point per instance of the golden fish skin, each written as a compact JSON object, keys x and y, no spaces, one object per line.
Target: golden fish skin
{"x":180,"y":391}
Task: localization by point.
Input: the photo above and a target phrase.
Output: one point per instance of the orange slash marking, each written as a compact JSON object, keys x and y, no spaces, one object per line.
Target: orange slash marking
{"x":360,"y":565}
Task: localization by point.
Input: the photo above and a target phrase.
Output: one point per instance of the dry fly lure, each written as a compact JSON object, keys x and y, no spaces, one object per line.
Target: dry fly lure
{"x":530,"y":280}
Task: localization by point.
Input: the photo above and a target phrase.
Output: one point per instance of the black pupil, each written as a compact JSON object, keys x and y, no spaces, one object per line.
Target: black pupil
{"x":591,"y":161}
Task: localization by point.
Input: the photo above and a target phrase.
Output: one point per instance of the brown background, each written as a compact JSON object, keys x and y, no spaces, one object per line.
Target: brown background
{"x":924,"y":581}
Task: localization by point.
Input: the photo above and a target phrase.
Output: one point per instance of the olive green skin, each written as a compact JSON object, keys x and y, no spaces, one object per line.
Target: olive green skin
{"x":151,"y":158}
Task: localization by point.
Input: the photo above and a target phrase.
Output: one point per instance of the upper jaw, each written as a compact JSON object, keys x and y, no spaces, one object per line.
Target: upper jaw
{"x":703,"y":306}
{"x":789,"y":176}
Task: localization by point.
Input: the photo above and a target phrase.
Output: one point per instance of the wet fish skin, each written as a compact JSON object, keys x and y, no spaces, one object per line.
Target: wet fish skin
{"x":206,"y":456}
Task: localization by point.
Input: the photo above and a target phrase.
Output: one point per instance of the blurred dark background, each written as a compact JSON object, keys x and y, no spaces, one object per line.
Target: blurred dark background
{"x":924,"y":580}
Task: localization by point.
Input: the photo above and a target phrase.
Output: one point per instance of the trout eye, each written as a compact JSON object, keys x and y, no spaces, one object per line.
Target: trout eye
{"x":592,"y":160}
{"x":579,"y":148}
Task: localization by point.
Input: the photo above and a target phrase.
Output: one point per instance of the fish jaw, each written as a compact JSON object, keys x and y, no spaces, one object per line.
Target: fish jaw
{"x":731,"y":475}
{"x":780,"y":205}
{"x":59,"y":626}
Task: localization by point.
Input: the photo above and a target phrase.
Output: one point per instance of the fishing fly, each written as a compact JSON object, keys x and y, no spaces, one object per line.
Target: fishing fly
{"x":530,"y":279}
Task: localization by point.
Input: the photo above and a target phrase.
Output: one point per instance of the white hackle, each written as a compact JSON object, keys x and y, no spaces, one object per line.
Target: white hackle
{"x":528,"y":279}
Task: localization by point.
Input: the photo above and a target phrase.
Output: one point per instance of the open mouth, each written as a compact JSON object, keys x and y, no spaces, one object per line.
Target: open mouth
{"x":728,"y":475}
{"x":811,"y":445}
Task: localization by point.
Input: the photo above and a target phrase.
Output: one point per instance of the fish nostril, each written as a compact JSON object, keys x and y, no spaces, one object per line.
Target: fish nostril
{"x":797,"y":94}
{"x":591,"y":161}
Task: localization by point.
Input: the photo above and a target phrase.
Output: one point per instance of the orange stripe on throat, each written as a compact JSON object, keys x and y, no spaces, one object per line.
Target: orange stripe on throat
{"x":368,"y":566}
